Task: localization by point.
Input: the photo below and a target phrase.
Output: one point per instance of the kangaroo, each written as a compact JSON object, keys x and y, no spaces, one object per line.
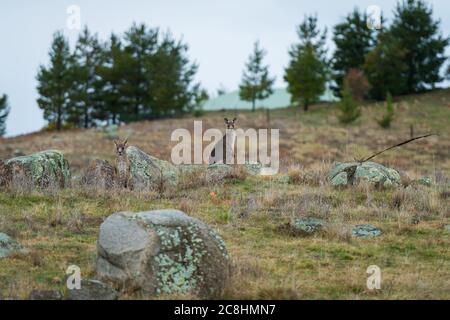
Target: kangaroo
{"x":122,"y":164}
{"x":226,"y":143}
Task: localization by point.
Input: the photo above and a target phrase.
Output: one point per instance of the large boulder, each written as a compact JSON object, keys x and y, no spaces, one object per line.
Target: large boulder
{"x":100,"y":174}
{"x":42,"y":169}
{"x":348,"y":173}
{"x":9,"y":246}
{"x":162,"y":252}
{"x":148,"y":172}
{"x":92,"y":289}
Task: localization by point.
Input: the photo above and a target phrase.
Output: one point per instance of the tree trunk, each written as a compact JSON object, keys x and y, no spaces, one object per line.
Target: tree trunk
{"x":58,"y":118}
{"x":253,"y":105}
{"x":305,"y":105}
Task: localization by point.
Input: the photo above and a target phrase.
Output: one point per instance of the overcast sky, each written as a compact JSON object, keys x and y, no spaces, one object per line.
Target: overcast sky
{"x":220,"y":35}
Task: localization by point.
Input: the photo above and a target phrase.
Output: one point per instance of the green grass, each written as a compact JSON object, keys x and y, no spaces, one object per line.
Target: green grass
{"x":413,"y":252}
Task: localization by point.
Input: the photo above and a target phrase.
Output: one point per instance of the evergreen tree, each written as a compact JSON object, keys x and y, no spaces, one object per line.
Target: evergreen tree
{"x":349,"y":109}
{"x":385,"y":67}
{"x":110,"y":84}
{"x":256,"y":82}
{"x":310,"y":35}
{"x":84,"y":93}
{"x":141,"y":44}
{"x":306,"y":77}
{"x":172,"y":89}
{"x":306,"y":73}
{"x":55,"y":82}
{"x":353,"y":40}
{"x":415,"y":29}
{"x":4,"y":112}
{"x":388,"y":116}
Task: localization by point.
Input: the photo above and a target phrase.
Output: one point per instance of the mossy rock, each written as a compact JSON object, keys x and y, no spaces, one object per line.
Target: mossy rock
{"x":348,"y":173}
{"x":9,"y":246}
{"x":100,"y":174}
{"x":162,"y":252}
{"x":306,"y":226}
{"x":42,"y":169}
{"x":365,"y":231}
{"x":148,"y":172}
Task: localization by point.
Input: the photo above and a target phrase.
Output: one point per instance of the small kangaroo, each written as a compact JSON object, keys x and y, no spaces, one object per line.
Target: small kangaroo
{"x":226,"y":143}
{"x":122,"y":164}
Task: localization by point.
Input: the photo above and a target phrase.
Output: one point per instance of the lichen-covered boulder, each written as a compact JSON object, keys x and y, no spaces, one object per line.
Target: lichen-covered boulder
{"x":347,"y":173}
{"x":162,"y":252}
{"x":100,"y":174}
{"x":42,"y":169}
{"x":306,"y":226}
{"x":9,"y":246}
{"x":365,"y":231}
{"x":148,"y":172}
{"x":91,"y":289}
{"x":424,"y":181}
{"x":110,"y":132}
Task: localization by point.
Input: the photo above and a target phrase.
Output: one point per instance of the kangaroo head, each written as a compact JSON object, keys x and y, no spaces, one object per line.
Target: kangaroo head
{"x":120,"y":147}
{"x":230,"y":123}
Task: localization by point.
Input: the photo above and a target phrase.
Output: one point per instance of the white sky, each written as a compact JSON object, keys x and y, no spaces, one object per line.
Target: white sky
{"x":220,"y":35}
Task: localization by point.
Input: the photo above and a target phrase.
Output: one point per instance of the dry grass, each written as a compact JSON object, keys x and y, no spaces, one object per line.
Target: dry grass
{"x":60,"y":228}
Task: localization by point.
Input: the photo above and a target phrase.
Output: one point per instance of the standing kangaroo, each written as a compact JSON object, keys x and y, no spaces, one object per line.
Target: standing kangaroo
{"x":226,"y":143}
{"x":122,"y":164}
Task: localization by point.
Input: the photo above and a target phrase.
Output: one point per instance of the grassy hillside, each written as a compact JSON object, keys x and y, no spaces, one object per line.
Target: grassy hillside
{"x":250,"y":213}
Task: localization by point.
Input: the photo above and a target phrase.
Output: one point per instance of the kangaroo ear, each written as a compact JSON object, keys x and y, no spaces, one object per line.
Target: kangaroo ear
{"x":226,"y":120}
{"x":115,"y":142}
{"x":125,"y":142}
{"x":234,"y":120}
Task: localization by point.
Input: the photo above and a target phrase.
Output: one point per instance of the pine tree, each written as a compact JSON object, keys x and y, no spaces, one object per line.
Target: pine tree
{"x":414,"y":28}
{"x":256,"y":83}
{"x":110,"y":82}
{"x":307,"y":72}
{"x":349,"y":109}
{"x":388,"y":116}
{"x":87,"y":56}
{"x":353,"y":40}
{"x":385,"y":67}
{"x":306,"y":77}
{"x":4,"y":112}
{"x":310,"y":35}
{"x":141,"y":43}
{"x":172,"y":88}
{"x":55,"y":82}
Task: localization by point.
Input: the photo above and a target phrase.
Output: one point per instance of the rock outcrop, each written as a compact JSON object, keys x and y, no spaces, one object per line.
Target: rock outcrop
{"x":349,"y":173}
{"x":162,"y":252}
{"x":148,"y":172}
{"x":100,"y":174}
{"x":42,"y":169}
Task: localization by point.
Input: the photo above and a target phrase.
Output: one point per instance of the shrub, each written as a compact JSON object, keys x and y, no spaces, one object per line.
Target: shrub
{"x":388,"y":116}
{"x":358,"y":84}
{"x":349,"y":109}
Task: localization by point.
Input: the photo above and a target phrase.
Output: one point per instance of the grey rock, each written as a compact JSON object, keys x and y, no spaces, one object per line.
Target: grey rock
{"x":425,"y":181}
{"x":45,"y":295}
{"x":365,"y":231}
{"x":42,"y":169}
{"x":162,"y":252}
{"x":91,"y":289}
{"x":447,"y":227}
{"x":110,"y":132}
{"x":148,"y":172}
{"x":100,"y":174}
{"x":306,"y":226}
{"x":345,"y":174}
{"x":9,"y":246}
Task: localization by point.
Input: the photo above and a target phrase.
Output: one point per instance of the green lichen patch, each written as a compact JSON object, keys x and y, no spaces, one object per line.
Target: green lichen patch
{"x":148,"y":171}
{"x":42,"y":169}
